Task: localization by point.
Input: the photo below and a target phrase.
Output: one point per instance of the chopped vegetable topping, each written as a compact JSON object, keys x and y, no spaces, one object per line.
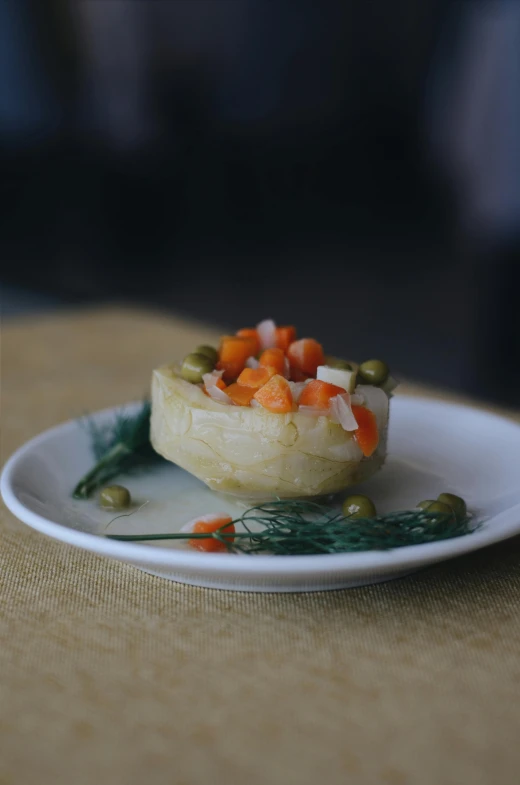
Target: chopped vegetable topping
{"x":318,"y":394}
{"x":341,"y":412}
{"x":205,"y":526}
{"x":234,"y":351}
{"x":285,"y":336}
{"x":339,"y":376}
{"x":276,"y":395}
{"x":367,"y":435}
{"x":273,"y":358}
{"x":240,"y":394}
{"x":255,"y":377}
{"x":267,"y":334}
{"x":266,"y":366}
{"x":252,"y":334}
{"x":305,"y":355}
{"x":299,"y":376}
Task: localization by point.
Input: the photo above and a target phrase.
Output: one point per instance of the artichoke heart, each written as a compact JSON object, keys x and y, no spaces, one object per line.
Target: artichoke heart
{"x":251,"y":452}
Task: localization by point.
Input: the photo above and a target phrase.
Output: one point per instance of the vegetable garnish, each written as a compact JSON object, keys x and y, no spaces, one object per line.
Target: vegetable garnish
{"x":219,"y":526}
{"x":121,"y":447}
{"x":318,"y":394}
{"x":367,"y":434}
{"x":301,"y":528}
{"x":276,"y":395}
{"x":273,"y":358}
{"x":268,"y":415}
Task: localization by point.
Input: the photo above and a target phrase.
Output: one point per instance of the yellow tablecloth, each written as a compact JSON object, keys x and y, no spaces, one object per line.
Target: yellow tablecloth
{"x":109,"y":675}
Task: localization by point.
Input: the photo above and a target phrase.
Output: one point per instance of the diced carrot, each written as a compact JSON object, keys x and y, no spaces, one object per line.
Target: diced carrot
{"x":273,"y":358}
{"x":233,"y":354}
{"x":210,"y":544}
{"x":305,"y":355}
{"x":240,"y":394}
{"x":285,"y":336}
{"x":276,"y":395}
{"x":255,"y":377}
{"x":367,"y":435}
{"x":250,"y":332}
{"x":298,"y":376}
{"x":318,"y":394}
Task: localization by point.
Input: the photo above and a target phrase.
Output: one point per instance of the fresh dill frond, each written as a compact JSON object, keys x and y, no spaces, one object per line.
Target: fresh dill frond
{"x":121,"y":447}
{"x":302,"y":528}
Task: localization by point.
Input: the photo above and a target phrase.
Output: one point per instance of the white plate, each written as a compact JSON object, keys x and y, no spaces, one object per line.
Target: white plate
{"x":433,"y":447}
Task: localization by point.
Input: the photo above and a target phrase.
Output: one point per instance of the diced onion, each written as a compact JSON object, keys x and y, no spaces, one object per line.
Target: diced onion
{"x":267,"y":334}
{"x":296,"y":390}
{"x":210,"y":382}
{"x":356,"y":399}
{"x":255,"y":404}
{"x":212,"y":378}
{"x":341,"y":412}
{"x":252,"y":362}
{"x":218,"y":395}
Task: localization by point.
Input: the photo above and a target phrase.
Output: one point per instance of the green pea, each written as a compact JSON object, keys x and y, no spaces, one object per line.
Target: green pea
{"x":115,"y":497}
{"x":425,"y":504}
{"x":359,"y":506}
{"x":208,"y":351}
{"x":195,"y":366}
{"x":441,"y":507}
{"x":337,"y":362}
{"x":457,"y":504}
{"x":374,"y":371}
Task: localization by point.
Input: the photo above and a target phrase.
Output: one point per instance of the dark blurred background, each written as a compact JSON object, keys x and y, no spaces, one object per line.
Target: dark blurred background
{"x":352,"y":167}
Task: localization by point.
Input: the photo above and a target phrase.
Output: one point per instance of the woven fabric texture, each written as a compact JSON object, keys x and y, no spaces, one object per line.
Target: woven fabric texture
{"x":109,"y":675}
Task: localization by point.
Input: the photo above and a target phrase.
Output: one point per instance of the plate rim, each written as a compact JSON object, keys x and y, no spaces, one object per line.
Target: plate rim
{"x":268,"y":565}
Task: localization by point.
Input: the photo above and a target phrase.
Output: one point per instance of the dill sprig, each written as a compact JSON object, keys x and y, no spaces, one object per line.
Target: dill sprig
{"x":121,"y":447}
{"x":302,"y":528}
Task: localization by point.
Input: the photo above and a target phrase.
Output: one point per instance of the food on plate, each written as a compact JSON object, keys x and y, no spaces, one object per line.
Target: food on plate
{"x":457,"y":504}
{"x":425,"y":504}
{"x":374,"y":371}
{"x":289,"y":527}
{"x":440,"y":507}
{"x":118,"y":448}
{"x":268,"y":414}
{"x":214,"y":526}
{"x":359,"y":506}
{"x":115,"y":497}
{"x":446,"y":502}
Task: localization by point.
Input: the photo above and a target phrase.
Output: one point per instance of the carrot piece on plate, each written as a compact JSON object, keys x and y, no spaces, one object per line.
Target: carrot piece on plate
{"x":367,"y":434}
{"x":276,"y":395}
{"x":252,"y":334}
{"x":255,"y":377}
{"x":233,"y":354}
{"x":318,"y":394}
{"x":285,"y":336}
{"x":273,"y":358}
{"x":305,"y":355}
{"x":240,"y":394}
{"x":210,"y":544}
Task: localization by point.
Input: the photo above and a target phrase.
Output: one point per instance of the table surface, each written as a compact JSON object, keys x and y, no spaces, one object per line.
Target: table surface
{"x":110,"y":675}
